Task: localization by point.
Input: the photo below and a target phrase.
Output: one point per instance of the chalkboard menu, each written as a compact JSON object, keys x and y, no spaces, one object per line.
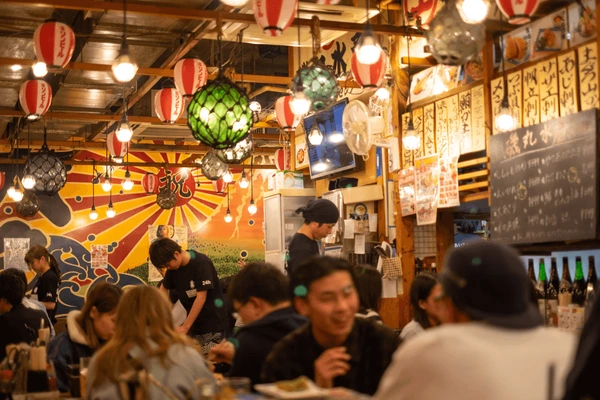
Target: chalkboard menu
{"x":544,"y":181}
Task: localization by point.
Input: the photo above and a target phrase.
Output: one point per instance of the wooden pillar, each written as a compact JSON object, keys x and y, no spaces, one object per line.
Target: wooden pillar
{"x":444,"y":237}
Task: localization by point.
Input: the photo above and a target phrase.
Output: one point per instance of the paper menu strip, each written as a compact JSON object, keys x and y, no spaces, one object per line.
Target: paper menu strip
{"x":372,"y":222}
{"x":349,"y":229}
{"x":359,"y":244}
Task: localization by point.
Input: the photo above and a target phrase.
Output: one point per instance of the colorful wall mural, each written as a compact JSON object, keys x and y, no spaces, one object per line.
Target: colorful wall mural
{"x":64,"y":227}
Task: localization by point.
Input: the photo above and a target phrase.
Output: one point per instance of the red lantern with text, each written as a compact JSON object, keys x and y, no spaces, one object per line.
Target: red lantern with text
{"x":150,"y":183}
{"x":285,"y":117}
{"x":282,"y":159}
{"x":116,"y":148}
{"x":190,"y":75}
{"x":35,"y":97}
{"x":518,"y":12}
{"x":168,"y":104}
{"x":274,"y":16}
{"x":425,"y":10}
{"x":54,"y":43}
{"x":2,"y":179}
{"x":369,"y":76}
{"x":219,"y":185}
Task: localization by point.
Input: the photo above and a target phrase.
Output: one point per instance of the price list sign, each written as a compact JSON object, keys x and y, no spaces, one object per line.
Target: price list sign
{"x":544,"y":181}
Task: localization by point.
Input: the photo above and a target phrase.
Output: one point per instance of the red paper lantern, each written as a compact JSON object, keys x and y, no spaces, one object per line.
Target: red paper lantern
{"x":518,"y":12}
{"x":424,"y":9}
{"x":369,"y":76}
{"x":285,"y":117}
{"x":35,"y":97}
{"x":274,"y":16}
{"x":54,"y":43}
{"x":168,"y":104}
{"x":150,"y":183}
{"x":282,"y":159}
{"x":116,"y":148}
{"x":219,"y":185}
{"x":190,"y":75}
{"x":2,"y":179}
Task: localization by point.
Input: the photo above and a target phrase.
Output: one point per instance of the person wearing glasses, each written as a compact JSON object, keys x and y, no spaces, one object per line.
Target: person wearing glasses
{"x":320,"y":216}
{"x":492,"y":344}
{"x":427,"y":307}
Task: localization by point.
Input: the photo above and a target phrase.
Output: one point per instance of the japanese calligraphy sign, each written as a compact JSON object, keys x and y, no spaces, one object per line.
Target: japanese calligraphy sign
{"x":448,"y":183}
{"x":514,"y":84}
{"x":497,"y":94}
{"x":407,"y":155}
{"x":548,"y":83}
{"x":464,"y":119}
{"x":587,"y":57}
{"x":567,"y":83}
{"x":544,"y":181}
{"x":477,"y":119}
{"x":427,"y":189}
{"x":531,"y":96}
{"x":406,"y":189}
{"x":418,"y":123}
{"x":453,"y":126}
{"x":429,"y":130}
{"x":441,"y":128}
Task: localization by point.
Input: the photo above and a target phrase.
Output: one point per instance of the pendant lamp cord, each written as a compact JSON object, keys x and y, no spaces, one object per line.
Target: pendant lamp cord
{"x":93,"y":178}
{"x":408,"y":55}
{"x":241,"y":38}
{"x":504,"y":83}
{"x":299,"y":83}
{"x":124,"y":19}
{"x":252,"y":177}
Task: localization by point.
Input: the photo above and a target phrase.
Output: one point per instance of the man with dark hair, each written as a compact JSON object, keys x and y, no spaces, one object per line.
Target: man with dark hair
{"x":335,"y":348}
{"x":320,"y":216}
{"x":193,"y":277}
{"x":17,"y":322}
{"x":29,"y":303}
{"x":492,"y":344}
{"x":259,"y":293}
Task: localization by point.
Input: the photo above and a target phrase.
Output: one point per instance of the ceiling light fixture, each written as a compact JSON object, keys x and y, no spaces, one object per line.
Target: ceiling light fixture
{"x":411,"y":140}
{"x":28,"y":181}
{"x":300,"y":104}
{"x":124,"y":132}
{"x":127,"y":184}
{"x":315,"y":137}
{"x":39,"y":69}
{"x":504,"y":120}
{"x":252,"y":209}
{"x":244,"y":181}
{"x":473,"y":11}
{"x":124,"y":67}
{"x":228,"y":218}
{"x":368,"y":49}
{"x":93,"y":213}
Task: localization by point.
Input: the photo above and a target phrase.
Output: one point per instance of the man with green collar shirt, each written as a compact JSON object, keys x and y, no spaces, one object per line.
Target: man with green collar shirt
{"x":192,"y":276}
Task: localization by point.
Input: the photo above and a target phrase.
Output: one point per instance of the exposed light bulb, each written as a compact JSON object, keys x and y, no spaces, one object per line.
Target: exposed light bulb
{"x":300,"y":104}
{"x":315,"y":137}
{"x":228,"y":218}
{"x":17,"y":195}
{"x":252,"y":209}
{"x":473,"y":11}
{"x":28,"y":181}
{"x":382,"y":94}
{"x":93,"y":213}
{"x":15,"y":67}
{"x":411,"y":140}
{"x":124,"y":132}
{"x":118,"y":160}
{"x":234,"y":3}
{"x":110,"y":211}
{"x":11,"y":191}
{"x":124,"y":67}
{"x":39,"y":69}
{"x":106,"y":184}
{"x":255,"y":106}
{"x":127,"y":184}
{"x":244,"y":181}
{"x":368,"y":51}
{"x":227,"y":177}
{"x":505,"y":121}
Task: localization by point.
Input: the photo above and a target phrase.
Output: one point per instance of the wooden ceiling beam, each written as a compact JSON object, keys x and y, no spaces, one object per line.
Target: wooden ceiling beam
{"x":200,"y":14}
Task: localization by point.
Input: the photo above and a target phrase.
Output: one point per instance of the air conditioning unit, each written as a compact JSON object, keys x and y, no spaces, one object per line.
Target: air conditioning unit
{"x":254,"y":34}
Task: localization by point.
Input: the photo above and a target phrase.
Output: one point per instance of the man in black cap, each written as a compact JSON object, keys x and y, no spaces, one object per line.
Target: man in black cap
{"x":320,"y":216}
{"x":492,"y":346}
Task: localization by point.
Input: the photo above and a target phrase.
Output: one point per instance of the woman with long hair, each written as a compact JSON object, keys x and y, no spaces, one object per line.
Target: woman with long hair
{"x":146,"y":358}
{"x":87,"y":330}
{"x":45,"y":266}
{"x":425,"y":296}
{"x":369,"y":287}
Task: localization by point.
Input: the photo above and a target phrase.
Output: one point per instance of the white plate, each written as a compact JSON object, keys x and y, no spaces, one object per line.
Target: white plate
{"x":313,"y":391}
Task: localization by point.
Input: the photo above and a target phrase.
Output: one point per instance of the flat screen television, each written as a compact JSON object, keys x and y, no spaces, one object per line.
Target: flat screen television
{"x":332,"y":155}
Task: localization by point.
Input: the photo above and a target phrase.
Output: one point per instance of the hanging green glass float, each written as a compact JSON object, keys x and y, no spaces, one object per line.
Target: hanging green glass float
{"x":219,"y":114}
{"x":319,"y":82}
{"x":29,"y":205}
{"x":212,"y":168}
{"x":238,"y":153}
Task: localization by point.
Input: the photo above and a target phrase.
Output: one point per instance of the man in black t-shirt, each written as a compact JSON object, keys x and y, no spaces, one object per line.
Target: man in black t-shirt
{"x":320,"y":216}
{"x":192,"y":276}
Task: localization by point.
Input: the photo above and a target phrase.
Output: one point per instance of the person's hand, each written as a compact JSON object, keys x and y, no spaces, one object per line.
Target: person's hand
{"x":331,"y":363}
{"x":222,"y":353}
{"x":182,"y":329}
{"x":241,"y":263}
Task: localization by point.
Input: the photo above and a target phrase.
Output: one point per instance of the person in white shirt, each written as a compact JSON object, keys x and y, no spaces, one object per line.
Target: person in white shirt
{"x":425,"y":295}
{"x":494,"y":346}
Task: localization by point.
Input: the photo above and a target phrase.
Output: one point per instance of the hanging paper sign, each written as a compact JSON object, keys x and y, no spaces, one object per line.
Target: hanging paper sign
{"x":453,"y":127}
{"x":441,"y":127}
{"x":418,"y":123}
{"x":548,"y":82}
{"x":407,"y":155}
{"x":448,"y":183}
{"x":497,"y":93}
{"x":531,"y":96}
{"x":429,"y":130}
{"x":478,"y":118}
{"x":588,"y":76}
{"x":15,"y":250}
{"x":514,"y":84}
{"x":464,"y":120}
{"x":406,"y":190}
{"x":99,"y":254}
{"x":567,"y":90}
{"x":427,"y":184}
